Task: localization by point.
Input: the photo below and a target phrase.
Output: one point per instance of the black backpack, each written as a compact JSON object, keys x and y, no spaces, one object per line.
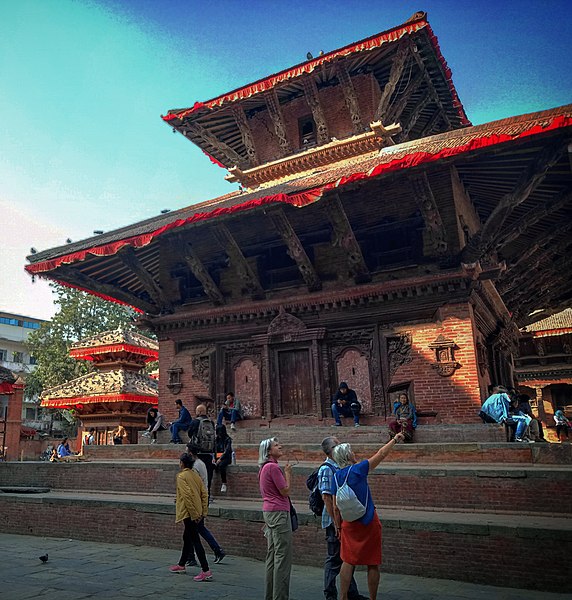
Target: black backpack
{"x":315,"y":500}
{"x":204,"y":438}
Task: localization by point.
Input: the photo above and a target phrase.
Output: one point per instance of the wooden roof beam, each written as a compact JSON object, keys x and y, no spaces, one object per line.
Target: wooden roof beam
{"x":344,"y":237}
{"x":432,"y":92}
{"x":516,"y":274}
{"x":414,"y":117}
{"x":538,"y":280}
{"x":229,"y":154}
{"x":198,"y":269}
{"x":545,"y":239}
{"x":313,"y":99}
{"x":396,"y":109}
{"x":128,"y":257}
{"x":350,"y":97}
{"x":427,"y":204}
{"x":246,"y":134}
{"x":543,"y":297}
{"x":482,"y":242}
{"x":296,"y":250}
{"x":533,"y":217}
{"x":402,"y":53}
{"x":79,"y":279}
{"x":273,"y":105}
{"x":251,"y":283}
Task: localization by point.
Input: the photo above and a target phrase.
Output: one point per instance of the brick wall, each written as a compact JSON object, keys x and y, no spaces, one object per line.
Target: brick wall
{"x":428,"y":549}
{"x":485,"y":489}
{"x":193,"y":391}
{"x":456,"y":399}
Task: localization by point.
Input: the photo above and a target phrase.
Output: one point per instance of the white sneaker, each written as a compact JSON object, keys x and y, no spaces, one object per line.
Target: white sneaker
{"x":232,"y":427}
{"x":153,"y":441}
{"x":356,"y":425}
{"x":145,"y":434}
{"x":223,"y":488}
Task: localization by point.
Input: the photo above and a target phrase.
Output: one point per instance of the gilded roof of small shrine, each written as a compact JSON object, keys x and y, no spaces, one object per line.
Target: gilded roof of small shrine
{"x":117,"y":337}
{"x":118,"y":382}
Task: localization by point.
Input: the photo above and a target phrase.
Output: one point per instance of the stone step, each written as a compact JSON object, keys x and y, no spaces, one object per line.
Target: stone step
{"x":461,"y":452}
{"x":246,"y":433}
{"x":524,"y":488}
{"x":446,"y":544}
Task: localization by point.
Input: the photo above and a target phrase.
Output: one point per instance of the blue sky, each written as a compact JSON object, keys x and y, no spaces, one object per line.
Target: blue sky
{"x":83,"y":84}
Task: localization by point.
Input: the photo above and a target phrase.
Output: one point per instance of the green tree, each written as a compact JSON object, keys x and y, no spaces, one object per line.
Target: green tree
{"x":78,"y":317}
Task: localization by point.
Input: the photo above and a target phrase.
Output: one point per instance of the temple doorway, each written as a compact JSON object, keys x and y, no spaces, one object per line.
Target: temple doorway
{"x":295,"y":377}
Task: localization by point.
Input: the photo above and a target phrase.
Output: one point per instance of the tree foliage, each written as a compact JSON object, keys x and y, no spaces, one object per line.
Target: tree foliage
{"x":78,"y":317}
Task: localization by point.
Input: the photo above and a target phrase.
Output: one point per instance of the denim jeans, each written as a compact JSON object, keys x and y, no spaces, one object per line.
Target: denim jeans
{"x":228,"y":414}
{"x":345,"y":411}
{"x":175,"y":428}
{"x":209,"y":539}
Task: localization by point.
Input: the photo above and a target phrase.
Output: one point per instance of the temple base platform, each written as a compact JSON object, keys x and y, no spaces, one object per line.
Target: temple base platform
{"x":448,"y":508}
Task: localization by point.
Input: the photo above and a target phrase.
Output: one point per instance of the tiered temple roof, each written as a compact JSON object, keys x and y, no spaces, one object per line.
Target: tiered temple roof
{"x":118,"y":356}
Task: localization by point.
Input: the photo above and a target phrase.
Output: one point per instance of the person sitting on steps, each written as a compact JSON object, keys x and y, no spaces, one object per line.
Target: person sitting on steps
{"x":155,"y":422}
{"x":495,"y":410}
{"x":183,"y":422}
{"x":345,"y":404}
{"x":405,"y":418}
{"x":231,"y":411}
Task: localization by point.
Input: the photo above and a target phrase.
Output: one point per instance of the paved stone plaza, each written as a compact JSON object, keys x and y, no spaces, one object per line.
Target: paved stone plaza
{"x":77,"y":570}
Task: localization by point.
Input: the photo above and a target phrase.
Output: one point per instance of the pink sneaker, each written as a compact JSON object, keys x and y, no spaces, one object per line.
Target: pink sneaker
{"x":177,"y":569}
{"x":203,"y":576}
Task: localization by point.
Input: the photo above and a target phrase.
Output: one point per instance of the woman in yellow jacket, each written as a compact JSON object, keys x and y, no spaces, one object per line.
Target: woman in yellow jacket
{"x":191,"y":508}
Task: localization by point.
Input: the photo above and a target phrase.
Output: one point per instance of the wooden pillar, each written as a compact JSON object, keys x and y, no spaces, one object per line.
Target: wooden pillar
{"x":14,"y":420}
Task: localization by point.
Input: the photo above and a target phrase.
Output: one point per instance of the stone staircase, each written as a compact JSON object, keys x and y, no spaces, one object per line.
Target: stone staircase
{"x":446,"y":505}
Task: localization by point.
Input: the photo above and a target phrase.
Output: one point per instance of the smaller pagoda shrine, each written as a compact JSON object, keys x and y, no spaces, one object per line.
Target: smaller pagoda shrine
{"x":118,"y":392}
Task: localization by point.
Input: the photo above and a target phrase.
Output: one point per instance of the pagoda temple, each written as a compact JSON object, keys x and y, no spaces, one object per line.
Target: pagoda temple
{"x":544,"y":364}
{"x":377,"y":238}
{"x":118,"y":392}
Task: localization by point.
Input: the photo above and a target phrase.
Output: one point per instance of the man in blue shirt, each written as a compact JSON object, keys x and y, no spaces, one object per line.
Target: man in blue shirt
{"x":183,"y":422}
{"x":495,"y":410}
{"x":333,"y":561}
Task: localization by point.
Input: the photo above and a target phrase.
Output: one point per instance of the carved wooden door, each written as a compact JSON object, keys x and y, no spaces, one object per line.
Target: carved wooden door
{"x":296,"y":386}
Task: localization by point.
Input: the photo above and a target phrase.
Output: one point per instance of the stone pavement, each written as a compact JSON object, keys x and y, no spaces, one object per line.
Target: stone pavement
{"x":77,"y":570}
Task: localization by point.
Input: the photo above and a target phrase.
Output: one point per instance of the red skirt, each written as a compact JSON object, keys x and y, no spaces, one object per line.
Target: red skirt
{"x":361,"y":544}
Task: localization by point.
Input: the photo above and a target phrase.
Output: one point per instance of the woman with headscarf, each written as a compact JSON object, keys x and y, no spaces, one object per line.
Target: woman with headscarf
{"x":275,"y":491}
{"x":361,"y":538}
{"x":405,"y":418}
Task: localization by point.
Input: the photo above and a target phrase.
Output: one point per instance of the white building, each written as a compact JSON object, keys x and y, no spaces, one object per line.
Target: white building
{"x":14,"y":331}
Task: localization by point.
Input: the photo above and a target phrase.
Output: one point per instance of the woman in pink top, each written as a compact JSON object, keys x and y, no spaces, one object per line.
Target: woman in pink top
{"x":275,"y":489}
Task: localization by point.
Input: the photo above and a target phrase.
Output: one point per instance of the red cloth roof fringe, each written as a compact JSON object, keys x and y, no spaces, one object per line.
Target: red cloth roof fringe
{"x":370,"y":43}
{"x":299,"y":200}
{"x":72,"y":402}
{"x":88,"y":353}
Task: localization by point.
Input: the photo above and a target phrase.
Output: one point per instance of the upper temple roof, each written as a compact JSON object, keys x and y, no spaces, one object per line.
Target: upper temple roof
{"x":397,"y":76}
{"x":555,"y":324}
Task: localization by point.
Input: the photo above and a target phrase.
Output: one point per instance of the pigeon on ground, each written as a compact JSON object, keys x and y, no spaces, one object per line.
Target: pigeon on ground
{"x":44,"y":558}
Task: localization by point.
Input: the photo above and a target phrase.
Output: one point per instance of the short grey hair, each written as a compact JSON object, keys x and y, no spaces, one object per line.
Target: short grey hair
{"x":264,"y":450}
{"x":343,"y":455}
{"x":328,"y":444}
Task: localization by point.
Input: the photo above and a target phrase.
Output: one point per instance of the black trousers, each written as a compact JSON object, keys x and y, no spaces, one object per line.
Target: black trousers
{"x":192,"y":541}
{"x":221,"y":468}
